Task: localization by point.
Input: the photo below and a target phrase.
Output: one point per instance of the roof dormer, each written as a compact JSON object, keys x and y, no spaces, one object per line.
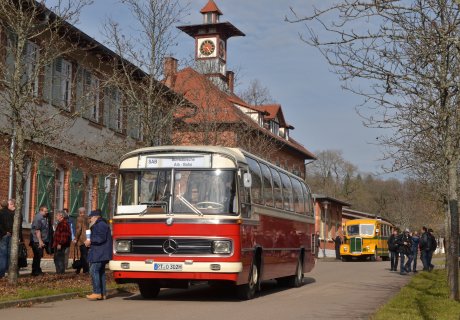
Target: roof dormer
{"x":210,"y":13}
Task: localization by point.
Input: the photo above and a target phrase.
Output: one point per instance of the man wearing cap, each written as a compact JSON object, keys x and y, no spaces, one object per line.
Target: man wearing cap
{"x":100,"y":244}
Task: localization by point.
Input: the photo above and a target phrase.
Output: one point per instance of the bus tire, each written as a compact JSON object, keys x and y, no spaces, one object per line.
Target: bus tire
{"x":248,"y":290}
{"x":374,"y":257}
{"x":345,"y":258}
{"x":296,"y":280}
{"x":149,"y":289}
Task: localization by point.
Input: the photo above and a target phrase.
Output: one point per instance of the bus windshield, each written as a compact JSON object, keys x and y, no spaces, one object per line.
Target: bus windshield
{"x":360,"y":230}
{"x":191,"y":191}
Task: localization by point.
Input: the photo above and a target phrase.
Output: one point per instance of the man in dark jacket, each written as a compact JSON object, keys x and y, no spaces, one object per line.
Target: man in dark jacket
{"x":415,"y":245}
{"x":337,"y":242}
{"x":5,"y":238}
{"x":100,"y":253}
{"x":393,"y":248}
{"x":404,"y":247}
{"x":425,"y":249}
{"x":433,"y":244}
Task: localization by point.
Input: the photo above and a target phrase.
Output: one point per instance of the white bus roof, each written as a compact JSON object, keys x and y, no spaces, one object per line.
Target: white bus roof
{"x":234,"y":153}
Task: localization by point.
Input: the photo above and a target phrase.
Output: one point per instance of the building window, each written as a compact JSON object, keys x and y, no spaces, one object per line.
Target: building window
{"x":135,"y":127}
{"x":26,"y":191}
{"x":28,"y":67}
{"x":113,"y":113}
{"x":58,"y":83}
{"x":89,"y":194}
{"x":87,"y":95}
{"x":274,"y":127}
{"x":59,"y":189}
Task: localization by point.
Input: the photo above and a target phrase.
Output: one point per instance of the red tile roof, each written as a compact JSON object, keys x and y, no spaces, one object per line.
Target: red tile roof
{"x":211,"y":7}
{"x":216,"y":105}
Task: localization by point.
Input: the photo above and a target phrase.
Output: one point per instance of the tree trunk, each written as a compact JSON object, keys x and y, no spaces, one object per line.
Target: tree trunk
{"x":452,"y":252}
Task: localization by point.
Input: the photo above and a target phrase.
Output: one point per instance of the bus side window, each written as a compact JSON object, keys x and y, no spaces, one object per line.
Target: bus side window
{"x":245,"y":197}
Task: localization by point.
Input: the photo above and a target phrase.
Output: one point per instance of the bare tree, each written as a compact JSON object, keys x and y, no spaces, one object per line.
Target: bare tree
{"x":142,"y":51}
{"x":407,"y":59}
{"x":256,"y":94}
{"x":34,"y":37}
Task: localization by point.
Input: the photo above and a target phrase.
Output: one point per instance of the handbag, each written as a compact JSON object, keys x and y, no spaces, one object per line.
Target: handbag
{"x":22,"y":255}
{"x":76,"y":264}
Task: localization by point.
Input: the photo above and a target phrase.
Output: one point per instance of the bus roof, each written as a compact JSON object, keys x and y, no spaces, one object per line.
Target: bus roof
{"x":234,"y":153}
{"x":366,"y":221}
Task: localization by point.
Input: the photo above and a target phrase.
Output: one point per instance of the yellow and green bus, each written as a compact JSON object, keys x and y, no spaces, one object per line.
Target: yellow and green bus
{"x":366,"y":238}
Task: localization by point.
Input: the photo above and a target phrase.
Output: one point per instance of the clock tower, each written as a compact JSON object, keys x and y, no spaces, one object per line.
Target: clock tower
{"x":211,"y":43}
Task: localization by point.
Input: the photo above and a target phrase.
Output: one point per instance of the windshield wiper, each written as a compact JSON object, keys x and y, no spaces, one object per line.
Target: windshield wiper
{"x":154,"y":204}
{"x":189,"y":205}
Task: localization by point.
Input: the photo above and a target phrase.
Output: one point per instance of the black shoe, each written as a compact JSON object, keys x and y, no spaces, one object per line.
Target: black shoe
{"x":415,"y":271}
{"x":77,"y":271}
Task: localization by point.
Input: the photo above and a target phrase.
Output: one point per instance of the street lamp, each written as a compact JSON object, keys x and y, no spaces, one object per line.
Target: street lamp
{"x":325,"y":207}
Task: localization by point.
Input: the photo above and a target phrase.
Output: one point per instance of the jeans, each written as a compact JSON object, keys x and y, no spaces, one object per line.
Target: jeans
{"x":97,"y":270}
{"x":38,"y":255}
{"x":401,"y":260}
{"x":59,"y":260}
{"x":84,"y":258}
{"x":414,"y":254}
{"x":5,"y":251}
{"x":409,"y":263}
{"x":424,"y":256}
{"x":394,"y":260}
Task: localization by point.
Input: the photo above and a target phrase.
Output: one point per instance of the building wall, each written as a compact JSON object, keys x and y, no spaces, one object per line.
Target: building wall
{"x":331,"y":229}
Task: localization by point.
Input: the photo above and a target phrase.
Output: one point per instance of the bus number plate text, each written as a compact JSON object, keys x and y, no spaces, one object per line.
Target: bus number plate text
{"x":167,"y":267}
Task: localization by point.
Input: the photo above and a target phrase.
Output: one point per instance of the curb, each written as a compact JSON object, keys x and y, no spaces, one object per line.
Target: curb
{"x":45,"y":299}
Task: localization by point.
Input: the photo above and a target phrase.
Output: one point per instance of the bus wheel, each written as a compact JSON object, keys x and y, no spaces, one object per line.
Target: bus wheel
{"x":296,"y":280}
{"x":248,"y":290}
{"x":149,"y":289}
{"x":345,"y":259}
{"x":374,"y":257}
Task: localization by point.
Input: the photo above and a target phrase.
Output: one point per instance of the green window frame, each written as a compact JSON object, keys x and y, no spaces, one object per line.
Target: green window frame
{"x":45,"y":183}
{"x":76,"y":191}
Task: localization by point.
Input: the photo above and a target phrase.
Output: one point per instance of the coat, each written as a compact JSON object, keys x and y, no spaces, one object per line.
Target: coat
{"x":101,"y":242}
{"x":80,"y":232}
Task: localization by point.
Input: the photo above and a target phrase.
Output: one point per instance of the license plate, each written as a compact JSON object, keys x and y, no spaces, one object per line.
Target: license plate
{"x":167,"y":267}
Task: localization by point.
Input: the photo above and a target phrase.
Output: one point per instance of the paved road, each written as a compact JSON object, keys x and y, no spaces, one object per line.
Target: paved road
{"x":334,"y":290}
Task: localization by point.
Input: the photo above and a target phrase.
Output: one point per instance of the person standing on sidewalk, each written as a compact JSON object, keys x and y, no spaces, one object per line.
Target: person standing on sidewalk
{"x":80,"y":238}
{"x":100,"y":252}
{"x":5,"y":238}
{"x":40,"y":230}
{"x":61,"y":241}
{"x":337,"y":243}
{"x":433,"y":244}
{"x":394,"y":252}
{"x":415,"y":243}
{"x":425,"y":249}
{"x":404,"y":248}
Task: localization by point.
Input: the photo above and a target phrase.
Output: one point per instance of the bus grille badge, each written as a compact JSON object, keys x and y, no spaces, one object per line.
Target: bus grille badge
{"x":170,"y":246}
{"x":169,"y":221}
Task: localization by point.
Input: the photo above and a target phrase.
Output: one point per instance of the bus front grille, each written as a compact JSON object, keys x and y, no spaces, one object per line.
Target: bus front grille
{"x":168,"y":246}
{"x":356,"y":245}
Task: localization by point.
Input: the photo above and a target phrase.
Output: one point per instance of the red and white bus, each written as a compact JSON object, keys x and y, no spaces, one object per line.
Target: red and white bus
{"x":205,"y":213}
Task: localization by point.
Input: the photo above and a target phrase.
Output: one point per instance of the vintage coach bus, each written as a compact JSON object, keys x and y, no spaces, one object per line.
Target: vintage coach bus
{"x":214,"y":214}
{"x":366,"y":238}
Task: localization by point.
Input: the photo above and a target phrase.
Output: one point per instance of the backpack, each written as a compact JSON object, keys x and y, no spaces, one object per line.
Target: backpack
{"x":433,"y":243}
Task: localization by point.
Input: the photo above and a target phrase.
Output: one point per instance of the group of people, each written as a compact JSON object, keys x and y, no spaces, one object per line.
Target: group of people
{"x":91,"y":236}
{"x":407,"y":245}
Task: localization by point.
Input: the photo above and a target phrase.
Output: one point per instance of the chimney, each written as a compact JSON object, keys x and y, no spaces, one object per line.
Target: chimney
{"x":170,"y":71}
{"x":230,"y":80}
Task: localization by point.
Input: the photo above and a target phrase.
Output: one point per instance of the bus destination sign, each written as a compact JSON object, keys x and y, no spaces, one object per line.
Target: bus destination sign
{"x":179,"y":162}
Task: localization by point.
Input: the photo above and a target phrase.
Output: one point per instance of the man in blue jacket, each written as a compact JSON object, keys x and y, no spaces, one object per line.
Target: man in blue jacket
{"x":100,"y":252}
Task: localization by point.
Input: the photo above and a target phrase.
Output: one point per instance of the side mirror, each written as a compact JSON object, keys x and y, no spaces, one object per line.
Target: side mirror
{"x":247,"y":180}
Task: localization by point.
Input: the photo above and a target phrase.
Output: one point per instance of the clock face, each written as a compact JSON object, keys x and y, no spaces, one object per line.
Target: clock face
{"x":207,"y":47}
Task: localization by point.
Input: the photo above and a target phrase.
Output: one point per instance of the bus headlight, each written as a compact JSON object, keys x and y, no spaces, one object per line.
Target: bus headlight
{"x":222,"y":246}
{"x":123,"y":246}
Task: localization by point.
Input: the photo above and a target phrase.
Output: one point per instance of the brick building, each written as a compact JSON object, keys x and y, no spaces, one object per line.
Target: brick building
{"x":222,"y":117}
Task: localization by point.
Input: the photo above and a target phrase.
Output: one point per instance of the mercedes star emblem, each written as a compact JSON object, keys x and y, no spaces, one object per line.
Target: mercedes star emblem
{"x":170,"y":246}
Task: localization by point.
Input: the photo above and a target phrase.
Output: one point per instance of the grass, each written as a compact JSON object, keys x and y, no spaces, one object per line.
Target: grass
{"x":425,"y":297}
{"x":51,"y":284}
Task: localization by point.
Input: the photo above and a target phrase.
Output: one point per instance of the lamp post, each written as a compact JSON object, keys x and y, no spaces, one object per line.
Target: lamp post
{"x":325,"y":207}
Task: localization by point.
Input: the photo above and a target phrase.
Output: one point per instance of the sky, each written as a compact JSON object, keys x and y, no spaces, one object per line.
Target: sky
{"x":296,"y":75}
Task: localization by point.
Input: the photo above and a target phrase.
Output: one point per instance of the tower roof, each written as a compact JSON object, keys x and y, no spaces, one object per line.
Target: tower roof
{"x":211,"y":7}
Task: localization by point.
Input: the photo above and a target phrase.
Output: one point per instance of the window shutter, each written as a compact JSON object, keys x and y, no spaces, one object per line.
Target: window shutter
{"x":76,"y":191}
{"x":45,"y":181}
{"x":102,"y":197}
{"x":57,"y":98}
